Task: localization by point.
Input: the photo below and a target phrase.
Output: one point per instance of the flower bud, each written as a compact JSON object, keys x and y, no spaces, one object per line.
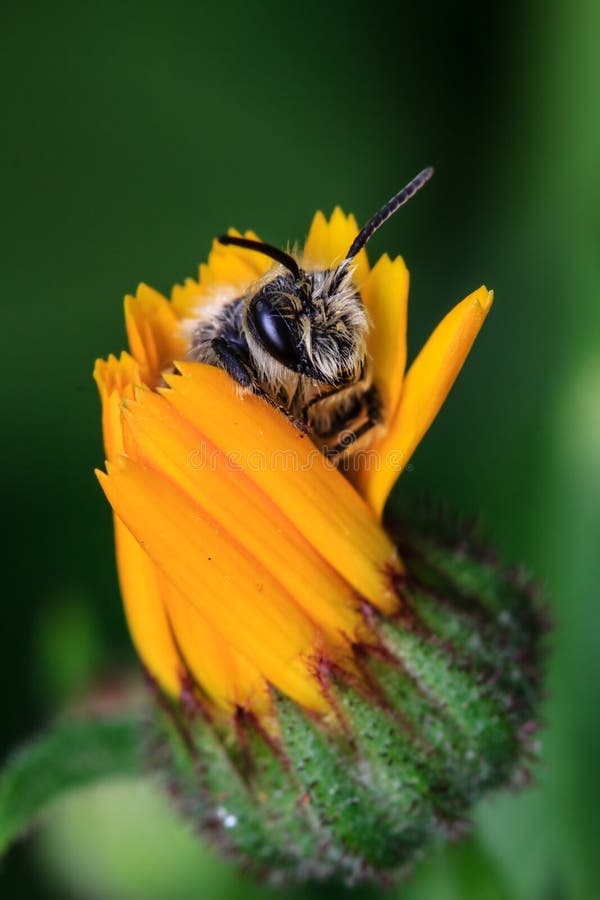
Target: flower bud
{"x":439,"y":707}
{"x":348,"y":690}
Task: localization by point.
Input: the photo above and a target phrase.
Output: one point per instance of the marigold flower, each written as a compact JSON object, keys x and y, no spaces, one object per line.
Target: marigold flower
{"x":258,"y":578}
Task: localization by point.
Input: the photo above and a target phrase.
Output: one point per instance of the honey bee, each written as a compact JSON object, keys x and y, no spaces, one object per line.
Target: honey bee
{"x":297,"y":339}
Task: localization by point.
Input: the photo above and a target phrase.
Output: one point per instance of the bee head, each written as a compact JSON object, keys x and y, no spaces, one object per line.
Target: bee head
{"x":314,"y":323}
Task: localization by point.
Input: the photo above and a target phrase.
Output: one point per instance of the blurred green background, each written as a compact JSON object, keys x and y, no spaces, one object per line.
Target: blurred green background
{"x":133,"y":133}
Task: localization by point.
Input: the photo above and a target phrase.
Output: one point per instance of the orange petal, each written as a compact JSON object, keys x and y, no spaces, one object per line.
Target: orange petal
{"x":153,"y":332}
{"x":145,"y":611}
{"x":425,"y":388}
{"x":226,"y":677}
{"x":115,"y":379}
{"x":164,"y":625}
{"x":118,"y":375}
{"x":385,"y":295}
{"x":329,"y":241}
{"x":157,"y":436}
{"x":143,"y":604}
{"x":235,"y":595}
{"x":285,"y":465}
{"x":229,"y":269}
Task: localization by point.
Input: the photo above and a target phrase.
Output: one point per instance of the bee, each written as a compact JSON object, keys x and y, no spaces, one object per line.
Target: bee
{"x":298,"y":339}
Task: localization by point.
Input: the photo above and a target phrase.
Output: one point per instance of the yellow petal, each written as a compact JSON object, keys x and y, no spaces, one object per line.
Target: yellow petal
{"x":240,"y":599}
{"x":153,"y":332}
{"x":117,"y":375}
{"x":385,"y":295}
{"x":187,"y":297}
{"x":169,"y":634}
{"x":425,"y":388}
{"x":115,"y":379}
{"x":157,"y":436}
{"x":310,"y":492}
{"x":145,"y":611}
{"x":222,"y":674}
{"x":329,"y":241}
{"x":229,"y":269}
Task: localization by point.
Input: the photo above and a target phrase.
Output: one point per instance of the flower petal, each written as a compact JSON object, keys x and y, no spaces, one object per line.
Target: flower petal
{"x":425,"y":388}
{"x":170,"y":635}
{"x":240,"y":599}
{"x":220,"y":671}
{"x":115,"y":379}
{"x":153,"y":332}
{"x":145,"y":611}
{"x":329,"y":241}
{"x":229,"y":269}
{"x":142,"y":599}
{"x":385,"y":295}
{"x":157,"y":436}
{"x":309,"y":491}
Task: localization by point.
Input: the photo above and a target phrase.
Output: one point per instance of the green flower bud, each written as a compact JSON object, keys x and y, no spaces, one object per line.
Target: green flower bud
{"x":440,"y":708}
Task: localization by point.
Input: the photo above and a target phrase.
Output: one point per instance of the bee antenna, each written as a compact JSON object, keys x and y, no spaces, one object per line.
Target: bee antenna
{"x":275,"y":253}
{"x":387,"y":211}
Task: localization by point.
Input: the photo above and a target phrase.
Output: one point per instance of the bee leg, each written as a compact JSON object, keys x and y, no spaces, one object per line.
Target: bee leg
{"x":232,"y":362}
{"x":373,"y":411}
{"x":238,"y":369}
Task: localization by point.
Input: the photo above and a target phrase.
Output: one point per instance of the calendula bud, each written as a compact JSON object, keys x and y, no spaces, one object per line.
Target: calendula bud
{"x":439,"y":707}
{"x":334,"y":693}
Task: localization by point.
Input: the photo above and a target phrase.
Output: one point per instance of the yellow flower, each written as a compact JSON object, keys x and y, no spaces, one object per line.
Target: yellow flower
{"x":244,"y":555}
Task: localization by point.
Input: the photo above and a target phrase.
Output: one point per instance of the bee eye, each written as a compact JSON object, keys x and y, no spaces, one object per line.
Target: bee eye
{"x":276,"y":333}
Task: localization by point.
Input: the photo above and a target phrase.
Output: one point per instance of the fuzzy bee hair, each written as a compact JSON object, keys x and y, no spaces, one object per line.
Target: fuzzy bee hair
{"x":298,"y":338}
{"x":332,"y":329}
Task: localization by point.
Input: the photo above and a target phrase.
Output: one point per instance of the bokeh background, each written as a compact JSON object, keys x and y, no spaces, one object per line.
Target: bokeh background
{"x":131,"y":135}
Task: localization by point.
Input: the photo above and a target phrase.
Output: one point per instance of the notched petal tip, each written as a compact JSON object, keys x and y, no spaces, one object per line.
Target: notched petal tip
{"x":116,"y":374}
{"x":328,"y":242}
{"x":153,"y":332}
{"x":230,"y":270}
{"x":385,"y":295}
{"x":116,"y":379}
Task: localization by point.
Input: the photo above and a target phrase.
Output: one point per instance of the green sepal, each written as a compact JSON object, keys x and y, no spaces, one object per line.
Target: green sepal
{"x":327,"y":768}
{"x":207,"y":784}
{"x":291,"y":822}
{"x":385,"y":756}
{"x":485,"y":738}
